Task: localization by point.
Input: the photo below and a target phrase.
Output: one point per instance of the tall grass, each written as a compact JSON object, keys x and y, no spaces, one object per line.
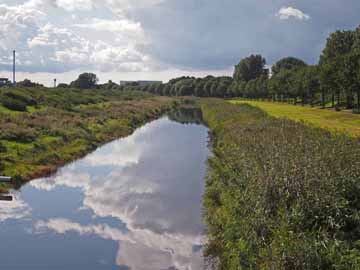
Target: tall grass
{"x":280,"y":194}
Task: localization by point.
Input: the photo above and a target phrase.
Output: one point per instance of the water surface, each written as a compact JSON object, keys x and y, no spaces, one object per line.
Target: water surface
{"x":134,"y":203}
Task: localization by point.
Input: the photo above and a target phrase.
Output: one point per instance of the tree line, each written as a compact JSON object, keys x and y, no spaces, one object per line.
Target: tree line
{"x":334,"y":81}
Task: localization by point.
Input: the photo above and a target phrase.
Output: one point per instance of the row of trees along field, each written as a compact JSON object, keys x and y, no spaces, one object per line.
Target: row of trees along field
{"x":334,"y":81}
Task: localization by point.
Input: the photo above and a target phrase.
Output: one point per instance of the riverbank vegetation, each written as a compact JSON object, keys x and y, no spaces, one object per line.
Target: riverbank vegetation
{"x":280,"y":194}
{"x":42,"y":129}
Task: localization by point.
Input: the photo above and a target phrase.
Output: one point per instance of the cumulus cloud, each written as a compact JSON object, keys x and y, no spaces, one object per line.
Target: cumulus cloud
{"x":153,"y":35}
{"x":286,"y":13}
{"x":71,"y":5}
{"x":113,"y":26}
{"x":95,"y":44}
{"x":139,"y":249}
{"x":17,"y":209}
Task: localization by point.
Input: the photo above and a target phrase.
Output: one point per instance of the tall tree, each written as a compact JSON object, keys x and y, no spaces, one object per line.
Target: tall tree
{"x":328,"y":80}
{"x":310,"y":83}
{"x":287,"y":63}
{"x":338,"y":44}
{"x":348,"y":79}
{"x":85,"y":81}
{"x":281,"y":85}
{"x":250,"y":68}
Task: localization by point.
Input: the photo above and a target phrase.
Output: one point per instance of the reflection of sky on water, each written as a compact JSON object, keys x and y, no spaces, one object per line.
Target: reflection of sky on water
{"x":142,"y":192}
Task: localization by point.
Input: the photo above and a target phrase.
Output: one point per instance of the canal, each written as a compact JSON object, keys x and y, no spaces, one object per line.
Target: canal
{"x":134,"y":203}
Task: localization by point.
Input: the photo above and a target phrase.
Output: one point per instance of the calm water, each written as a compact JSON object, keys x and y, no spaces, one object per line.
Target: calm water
{"x":134,"y":203}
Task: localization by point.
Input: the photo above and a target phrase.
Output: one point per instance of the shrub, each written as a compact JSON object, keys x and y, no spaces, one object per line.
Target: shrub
{"x":13,"y":104}
{"x":28,"y":100}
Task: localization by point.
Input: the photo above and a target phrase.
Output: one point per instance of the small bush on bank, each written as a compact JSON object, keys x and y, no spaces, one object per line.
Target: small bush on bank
{"x":17,"y":95}
{"x":13,"y":104}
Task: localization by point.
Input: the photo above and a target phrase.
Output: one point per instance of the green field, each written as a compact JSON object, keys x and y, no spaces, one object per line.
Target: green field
{"x":324,"y":118}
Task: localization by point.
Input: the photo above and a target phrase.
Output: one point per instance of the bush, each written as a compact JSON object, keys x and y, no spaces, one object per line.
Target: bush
{"x":2,"y":148}
{"x":13,"y":104}
{"x":28,"y":100}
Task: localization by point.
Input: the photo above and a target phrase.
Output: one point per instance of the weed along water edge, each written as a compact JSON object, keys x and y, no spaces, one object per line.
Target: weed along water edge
{"x":280,"y":194}
{"x":134,"y":203}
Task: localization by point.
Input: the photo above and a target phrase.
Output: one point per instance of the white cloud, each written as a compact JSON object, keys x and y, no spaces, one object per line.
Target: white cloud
{"x":17,"y":209}
{"x":17,"y":24}
{"x":139,"y":249}
{"x":97,"y":44}
{"x":73,"y":5}
{"x":170,"y":35}
{"x":113,"y":26}
{"x":286,"y":13}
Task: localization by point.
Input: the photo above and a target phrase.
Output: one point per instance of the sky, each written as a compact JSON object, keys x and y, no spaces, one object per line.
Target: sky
{"x":161,"y":39}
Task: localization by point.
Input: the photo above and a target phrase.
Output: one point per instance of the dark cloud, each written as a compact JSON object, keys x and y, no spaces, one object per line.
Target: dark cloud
{"x":211,"y":34}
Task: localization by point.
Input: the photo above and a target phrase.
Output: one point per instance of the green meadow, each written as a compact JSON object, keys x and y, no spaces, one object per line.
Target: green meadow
{"x":342,"y":121}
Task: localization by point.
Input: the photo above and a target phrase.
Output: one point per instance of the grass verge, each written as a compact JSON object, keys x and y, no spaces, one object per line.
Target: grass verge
{"x":345,"y":122}
{"x":280,"y":194}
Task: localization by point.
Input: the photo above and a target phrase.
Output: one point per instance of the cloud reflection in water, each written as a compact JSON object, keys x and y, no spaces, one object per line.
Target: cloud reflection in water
{"x":153,"y":182}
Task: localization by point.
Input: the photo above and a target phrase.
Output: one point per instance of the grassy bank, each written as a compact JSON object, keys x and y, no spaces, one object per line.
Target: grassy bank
{"x":280,"y":194}
{"x":42,"y":129}
{"x":337,"y":121}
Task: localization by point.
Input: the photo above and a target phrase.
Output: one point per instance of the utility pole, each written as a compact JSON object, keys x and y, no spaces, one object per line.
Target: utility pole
{"x":54,"y":83}
{"x":14,"y":70}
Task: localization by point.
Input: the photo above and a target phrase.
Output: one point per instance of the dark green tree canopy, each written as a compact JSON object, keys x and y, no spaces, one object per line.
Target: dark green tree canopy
{"x":250,"y":68}
{"x":85,"y":81}
{"x":63,"y":85}
{"x":287,"y":63}
{"x":28,"y":83}
{"x":338,"y":44}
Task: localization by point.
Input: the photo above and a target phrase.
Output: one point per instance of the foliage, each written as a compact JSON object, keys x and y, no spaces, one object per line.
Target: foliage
{"x":16,"y":100}
{"x":190,"y":86}
{"x":13,"y":104}
{"x":250,"y":68}
{"x":109,"y":85}
{"x":63,"y":85}
{"x":28,"y":83}
{"x":338,"y":44}
{"x":287,"y":63}
{"x":85,"y":81}
{"x":280,"y":194}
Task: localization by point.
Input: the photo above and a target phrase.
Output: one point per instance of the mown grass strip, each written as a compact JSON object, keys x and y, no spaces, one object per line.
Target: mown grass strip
{"x":345,"y":122}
